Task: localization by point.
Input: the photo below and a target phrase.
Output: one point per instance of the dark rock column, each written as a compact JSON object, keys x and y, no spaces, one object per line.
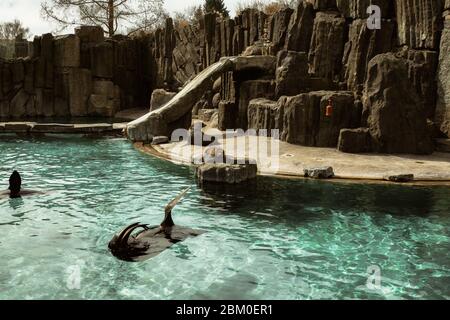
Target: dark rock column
{"x":89,"y":37}
{"x":364,"y":44}
{"x":327,"y":46}
{"x":264,"y":114}
{"x":186,"y":54}
{"x":226,"y":35}
{"x":395,"y":114}
{"x":357,"y":9}
{"x":279,"y":24}
{"x":67,"y":51}
{"x":300,"y":119}
{"x":210,"y":33}
{"x":292,"y":73}
{"x":300,"y":28}
{"x":422,"y":66}
{"x":238,"y":40}
{"x":419,"y":23}
{"x":103,"y":60}
{"x":305,"y":122}
{"x":21,"y":48}
{"x":354,"y":140}
{"x":29,"y":76}
{"x":249,"y":90}
{"x":80,"y":88}
{"x":443,"y":78}
{"x":345,"y":114}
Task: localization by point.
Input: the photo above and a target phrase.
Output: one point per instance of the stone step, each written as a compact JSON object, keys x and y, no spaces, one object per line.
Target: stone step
{"x":443,"y":145}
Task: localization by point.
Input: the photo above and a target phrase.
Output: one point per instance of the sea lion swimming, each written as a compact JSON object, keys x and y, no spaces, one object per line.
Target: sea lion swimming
{"x":150,"y":241}
{"x":15,"y":188}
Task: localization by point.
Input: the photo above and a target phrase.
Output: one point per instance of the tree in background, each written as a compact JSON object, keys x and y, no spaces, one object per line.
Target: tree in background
{"x":190,"y":16}
{"x":13,"y":29}
{"x":217,"y":6}
{"x":267,"y":6}
{"x":9,"y":31}
{"x":130,"y":15}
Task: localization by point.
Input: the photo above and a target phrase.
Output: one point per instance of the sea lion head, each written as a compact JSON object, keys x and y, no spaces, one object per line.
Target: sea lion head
{"x":15,"y":184}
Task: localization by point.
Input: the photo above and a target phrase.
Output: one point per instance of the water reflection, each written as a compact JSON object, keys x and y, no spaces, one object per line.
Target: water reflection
{"x":291,"y":197}
{"x":15,"y":204}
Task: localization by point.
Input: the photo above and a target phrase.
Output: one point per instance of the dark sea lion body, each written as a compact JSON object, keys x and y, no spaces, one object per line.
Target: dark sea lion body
{"x":24,"y":192}
{"x":150,"y":241}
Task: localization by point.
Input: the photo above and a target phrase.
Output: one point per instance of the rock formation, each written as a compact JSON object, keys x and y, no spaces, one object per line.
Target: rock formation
{"x":443,"y":78}
{"x":317,"y":51}
{"x":395,"y":116}
{"x":302,"y":119}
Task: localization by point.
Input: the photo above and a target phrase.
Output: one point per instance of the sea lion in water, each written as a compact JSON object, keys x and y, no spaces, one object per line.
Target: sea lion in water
{"x":150,"y":241}
{"x":15,"y":188}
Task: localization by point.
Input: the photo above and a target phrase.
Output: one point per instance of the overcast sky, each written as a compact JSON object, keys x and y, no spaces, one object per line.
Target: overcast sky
{"x":28,"y":11}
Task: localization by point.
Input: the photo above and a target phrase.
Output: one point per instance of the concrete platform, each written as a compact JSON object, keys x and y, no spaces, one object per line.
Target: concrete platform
{"x":293,"y":159}
{"x":43,"y":128}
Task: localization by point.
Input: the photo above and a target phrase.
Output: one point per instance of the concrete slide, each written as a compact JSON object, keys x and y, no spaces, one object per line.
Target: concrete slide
{"x":163,"y":121}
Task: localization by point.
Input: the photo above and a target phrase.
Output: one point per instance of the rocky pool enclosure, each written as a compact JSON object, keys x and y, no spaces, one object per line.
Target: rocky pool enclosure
{"x":389,"y":88}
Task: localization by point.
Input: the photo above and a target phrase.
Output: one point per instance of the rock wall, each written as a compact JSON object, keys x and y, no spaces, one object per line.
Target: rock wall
{"x":326,"y":46}
{"x":76,"y":75}
{"x":443,"y":77}
{"x":396,"y":118}
{"x":301,"y":119}
{"x":396,"y":76}
{"x":321,"y":46}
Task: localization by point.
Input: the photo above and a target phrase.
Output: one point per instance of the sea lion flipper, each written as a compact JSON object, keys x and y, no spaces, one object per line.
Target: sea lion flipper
{"x":174,"y":202}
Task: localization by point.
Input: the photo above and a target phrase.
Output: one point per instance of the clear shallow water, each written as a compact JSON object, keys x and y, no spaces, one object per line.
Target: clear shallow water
{"x":275,"y":239}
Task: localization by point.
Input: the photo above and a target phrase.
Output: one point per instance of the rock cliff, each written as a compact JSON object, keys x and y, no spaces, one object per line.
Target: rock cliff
{"x":323,"y":52}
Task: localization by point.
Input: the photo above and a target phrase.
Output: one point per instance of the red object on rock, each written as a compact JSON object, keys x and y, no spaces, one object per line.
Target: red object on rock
{"x":329,"y":109}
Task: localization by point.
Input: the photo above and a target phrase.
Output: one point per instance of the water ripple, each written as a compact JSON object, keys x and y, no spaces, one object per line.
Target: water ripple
{"x":275,"y":239}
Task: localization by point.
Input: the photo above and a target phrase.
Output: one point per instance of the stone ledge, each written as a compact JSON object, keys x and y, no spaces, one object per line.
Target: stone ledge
{"x":359,"y":168}
{"x":51,"y":127}
{"x":33,"y":127}
{"x":18,"y":127}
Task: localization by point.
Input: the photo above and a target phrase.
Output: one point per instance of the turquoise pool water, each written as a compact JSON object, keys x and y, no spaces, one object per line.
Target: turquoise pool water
{"x":274,"y":239}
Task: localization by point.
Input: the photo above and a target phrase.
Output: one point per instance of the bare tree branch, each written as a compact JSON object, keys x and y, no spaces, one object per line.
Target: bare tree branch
{"x":113,"y":15}
{"x":13,"y":29}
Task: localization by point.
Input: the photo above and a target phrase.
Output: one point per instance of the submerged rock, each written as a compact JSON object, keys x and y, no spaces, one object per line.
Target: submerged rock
{"x":319,"y":173}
